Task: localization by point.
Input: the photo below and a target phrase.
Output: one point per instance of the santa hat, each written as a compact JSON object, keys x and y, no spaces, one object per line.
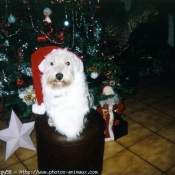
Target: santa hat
{"x":107,"y":88}
{"x":36,"y":59}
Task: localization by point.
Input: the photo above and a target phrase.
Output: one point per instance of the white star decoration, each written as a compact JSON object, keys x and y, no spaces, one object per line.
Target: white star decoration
{"x":17,"y":135}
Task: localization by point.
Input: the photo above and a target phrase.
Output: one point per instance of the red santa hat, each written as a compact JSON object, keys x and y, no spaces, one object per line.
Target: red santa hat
{"x":37,"y":57}
{"x":107,"y":89}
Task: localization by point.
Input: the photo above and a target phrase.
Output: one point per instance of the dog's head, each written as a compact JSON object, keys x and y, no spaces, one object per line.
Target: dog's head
{"x":60,"y":68}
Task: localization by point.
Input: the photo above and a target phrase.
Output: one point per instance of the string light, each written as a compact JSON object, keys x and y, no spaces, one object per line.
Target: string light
{"x":13,"y":33}
{"x":73,"y":31}
{"x":81,"y":19}
{"x":6,"y":11}
{"x":5,"y":18}
{"x":66,"y":22}
{"x":90,"y":4}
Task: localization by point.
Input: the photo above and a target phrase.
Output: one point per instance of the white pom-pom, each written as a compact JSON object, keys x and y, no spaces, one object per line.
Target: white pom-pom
{"x":38,"y":109}
{"x":94,"y":75}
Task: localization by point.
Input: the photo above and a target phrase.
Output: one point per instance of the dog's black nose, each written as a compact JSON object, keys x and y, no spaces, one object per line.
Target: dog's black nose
{"x":59,"y":76}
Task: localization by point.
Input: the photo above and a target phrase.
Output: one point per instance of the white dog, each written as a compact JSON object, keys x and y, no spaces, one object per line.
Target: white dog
{"x":65,"y":92}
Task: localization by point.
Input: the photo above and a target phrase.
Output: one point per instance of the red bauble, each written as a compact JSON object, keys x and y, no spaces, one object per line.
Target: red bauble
{"x":20,"y":82}
{"x":41,"y":38}
{"x":61,"y":35}
{"x":105,"y":43}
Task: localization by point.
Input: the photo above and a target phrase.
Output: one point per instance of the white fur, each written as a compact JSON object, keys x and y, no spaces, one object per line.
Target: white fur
{"x":38,"y":109}
{"x":66,"y":101}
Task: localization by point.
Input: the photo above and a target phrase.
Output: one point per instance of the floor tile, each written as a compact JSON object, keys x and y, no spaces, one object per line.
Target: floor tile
{"x":149,"y":96}
{"x":144,"y":82}
{"x":31,"y":163}
{"x":148,"y":149}
{"x":133,"y":134}
{"x":127,"y":163}
{"x":171,"y":171}
{"x":166,"y":105}
{"x":165,"y":85}
{"x":157,"y":151}
{"x":23,"y":153}
{"x":168,"y":132}
{"x":132,"y":105}
{"x":16,"y":169}
{"x":151,"y":118}
{"x":111,"y":148}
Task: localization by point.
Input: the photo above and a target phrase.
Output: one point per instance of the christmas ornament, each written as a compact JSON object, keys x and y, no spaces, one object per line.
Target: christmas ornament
{"x":41,"y":38}
{"x":11,"y":19}
{"x":66,"y":23}
{"x":47,"y":25}
{"x":94,"y":69}
{"x":3,"y":57}
{"x":111,"y":57}
{"x":47,"y":12}
{"x":6,"y":43}
{"x":98,"y":6}
{"x":28,"y":95}
{"x":111,"y":109}
{"x":61,"y":35}
{"x":48,"y":28}
{"x":25,"y":45}
{"x":17,"y":135}
{"x":114,"y":82}
{"x":108,"y":73}
{"x":94,"y":75}
{"x":20,"y":82}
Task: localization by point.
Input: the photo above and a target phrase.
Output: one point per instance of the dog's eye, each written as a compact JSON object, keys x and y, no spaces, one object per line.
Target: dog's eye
{"x":68,"y":63}
{"x":51,"y":63}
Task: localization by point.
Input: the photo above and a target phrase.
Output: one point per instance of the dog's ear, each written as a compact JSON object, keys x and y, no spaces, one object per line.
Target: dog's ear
{"x":41,"y":66}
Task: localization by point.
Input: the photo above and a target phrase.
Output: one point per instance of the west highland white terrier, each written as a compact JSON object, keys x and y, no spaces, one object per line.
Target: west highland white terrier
{"x":65,"y":92}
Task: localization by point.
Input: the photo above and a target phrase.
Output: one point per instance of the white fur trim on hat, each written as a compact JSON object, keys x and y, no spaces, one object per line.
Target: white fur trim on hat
{"x":38,"y":109}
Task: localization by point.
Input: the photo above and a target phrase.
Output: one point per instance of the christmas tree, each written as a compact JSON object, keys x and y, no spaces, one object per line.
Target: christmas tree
{"x":76,"y":25}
